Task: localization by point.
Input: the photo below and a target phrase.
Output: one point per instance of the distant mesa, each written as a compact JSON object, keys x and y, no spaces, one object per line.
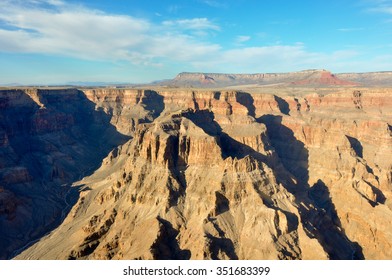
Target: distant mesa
{"x":324,"y":78}
{"x":312,"y":77}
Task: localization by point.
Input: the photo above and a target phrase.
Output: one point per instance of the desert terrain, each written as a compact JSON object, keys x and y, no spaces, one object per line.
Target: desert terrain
{"x":203,"y":166}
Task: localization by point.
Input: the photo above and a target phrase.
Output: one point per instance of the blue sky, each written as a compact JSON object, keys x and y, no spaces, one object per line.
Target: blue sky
{"x":61,"y":41}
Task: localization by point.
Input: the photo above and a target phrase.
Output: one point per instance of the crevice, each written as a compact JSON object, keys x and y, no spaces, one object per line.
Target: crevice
{"x":166,"y":245}
{"x":282,"y":105}
{"x":356,"y":146}
{"x":245,"y":99}
{"x":357,"y":99}
{"x":218,"y":246}
{"x":222,"y":204}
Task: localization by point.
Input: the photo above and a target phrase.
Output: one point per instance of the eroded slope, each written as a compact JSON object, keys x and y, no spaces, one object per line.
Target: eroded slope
{"x":235,"y":175}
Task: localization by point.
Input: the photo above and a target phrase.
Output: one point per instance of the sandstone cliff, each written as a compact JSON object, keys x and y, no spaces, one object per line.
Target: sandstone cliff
{"x":48,"y":140}
{"x":302,"y":174}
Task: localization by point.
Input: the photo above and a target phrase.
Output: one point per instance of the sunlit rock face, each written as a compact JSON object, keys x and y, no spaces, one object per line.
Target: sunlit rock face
{"x":197,"y":174}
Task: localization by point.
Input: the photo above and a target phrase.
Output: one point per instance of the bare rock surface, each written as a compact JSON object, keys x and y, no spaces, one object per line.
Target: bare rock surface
{"x":49,"y":138}
{"x":267,"y":173}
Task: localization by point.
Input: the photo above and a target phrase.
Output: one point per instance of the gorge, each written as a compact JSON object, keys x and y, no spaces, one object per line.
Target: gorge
{"x":297,"y":171}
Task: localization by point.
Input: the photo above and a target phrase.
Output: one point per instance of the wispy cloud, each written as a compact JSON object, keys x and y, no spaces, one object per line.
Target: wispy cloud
{"x":69,"y":31}
{"x":278,"y":58}
{"x":378,"y":6}
{"x":242,"y":39}
{"x":40,"y":2}
{"x":192,"y":24}
{"x":351,"y":29}
{"x":215,"y":4}
{"x":385,"y":9}
{"x":89,"y":34}
{"x":173,"y":9}
{"x":270,"y":57}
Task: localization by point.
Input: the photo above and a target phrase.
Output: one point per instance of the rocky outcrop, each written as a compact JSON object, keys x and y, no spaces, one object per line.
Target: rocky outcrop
{"x":48,"y":140}
{"x":127,"y":107}
{"x":186,"y":197}
{"x":235,"y":175}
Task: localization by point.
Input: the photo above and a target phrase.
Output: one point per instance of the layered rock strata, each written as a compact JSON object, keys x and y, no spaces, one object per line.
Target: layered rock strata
{"x":48,"y":140}
{"x":234,"y":175}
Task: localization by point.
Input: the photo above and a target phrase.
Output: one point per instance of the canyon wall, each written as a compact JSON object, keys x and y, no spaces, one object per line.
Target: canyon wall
{"x":199,"y":174}
{"x":48,"y":140}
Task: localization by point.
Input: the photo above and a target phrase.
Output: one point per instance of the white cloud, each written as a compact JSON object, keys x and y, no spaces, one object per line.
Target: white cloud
{"x":173,"y":9}
{"x":215,"y":4}
{"x":279,"y":58}
{"x":192,"y":24}
{"x":378,"y":6}
{"x":385,"y":9}
{"x":351,"y":29}
{"x":88,"y":34}
{"x":50,"y":2}
{"x":242,"y":39}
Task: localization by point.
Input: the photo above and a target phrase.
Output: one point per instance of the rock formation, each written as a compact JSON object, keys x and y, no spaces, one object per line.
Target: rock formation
{"x":48,"y":140}
{"x":297,"y":173}
{"x":324,"y":78}
{"x":308,"y":78}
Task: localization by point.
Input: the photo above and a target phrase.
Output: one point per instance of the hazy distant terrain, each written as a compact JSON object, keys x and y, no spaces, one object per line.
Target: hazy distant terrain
{"x":306,"y":78}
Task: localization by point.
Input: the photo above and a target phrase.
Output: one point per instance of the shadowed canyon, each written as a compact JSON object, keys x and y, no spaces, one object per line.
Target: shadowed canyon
{"x":295,"y":171}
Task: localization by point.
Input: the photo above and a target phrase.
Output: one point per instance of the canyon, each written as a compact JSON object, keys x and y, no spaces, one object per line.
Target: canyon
{"x":300,"y":170}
